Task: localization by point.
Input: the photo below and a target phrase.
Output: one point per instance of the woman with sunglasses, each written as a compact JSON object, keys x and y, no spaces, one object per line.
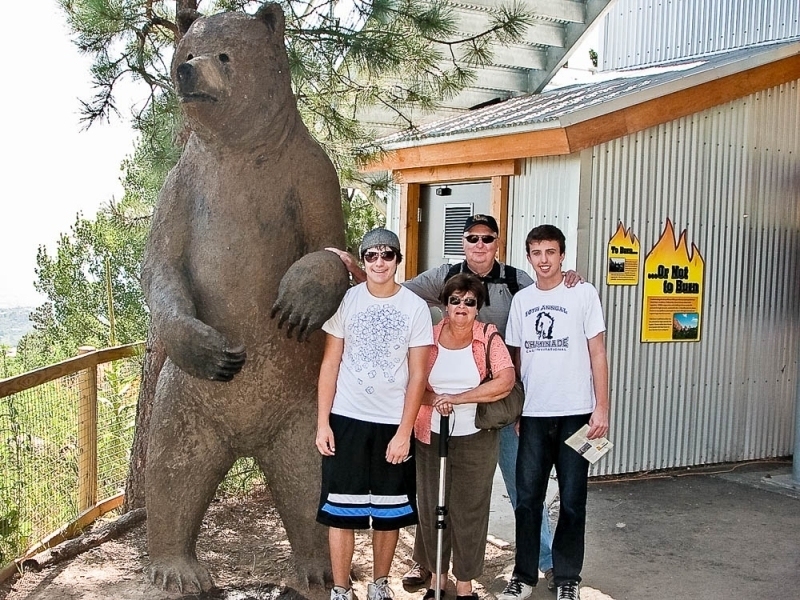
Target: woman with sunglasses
{"x":455,"y":387}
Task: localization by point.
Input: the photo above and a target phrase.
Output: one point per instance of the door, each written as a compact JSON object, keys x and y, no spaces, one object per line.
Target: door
{"x":443,"y":211}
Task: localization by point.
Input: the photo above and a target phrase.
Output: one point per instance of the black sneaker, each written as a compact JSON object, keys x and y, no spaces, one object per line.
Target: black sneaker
{"x":568,"y":591}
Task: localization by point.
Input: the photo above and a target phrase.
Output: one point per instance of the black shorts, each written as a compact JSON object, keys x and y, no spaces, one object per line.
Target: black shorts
{"x":358,"y":484}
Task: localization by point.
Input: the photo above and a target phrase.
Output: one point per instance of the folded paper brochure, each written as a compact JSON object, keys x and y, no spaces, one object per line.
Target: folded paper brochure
{"x":591,"y":450}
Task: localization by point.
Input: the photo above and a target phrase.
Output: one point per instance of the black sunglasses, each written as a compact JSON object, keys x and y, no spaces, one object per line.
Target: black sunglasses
{"x":455,"y":301}
{"x":486,"y":239}
{"x":387,"y":255}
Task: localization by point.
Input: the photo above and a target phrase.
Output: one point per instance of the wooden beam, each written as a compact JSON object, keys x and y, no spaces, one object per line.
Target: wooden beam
{"x":19,"y":383}
{"x":547,"y":142}
{"x":87,"y":434}
{"x":409,"y":229}
{"x":682,"y":103}
{"x":499,"y":210}
{"x":68,"y":531}
{"x":462,"y":172}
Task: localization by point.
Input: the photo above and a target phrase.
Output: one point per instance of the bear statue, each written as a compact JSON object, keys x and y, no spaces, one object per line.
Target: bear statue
{"x":238,"y":236}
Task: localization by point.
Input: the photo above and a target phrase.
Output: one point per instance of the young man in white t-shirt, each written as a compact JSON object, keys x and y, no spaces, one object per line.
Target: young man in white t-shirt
{"x":370,"y":388}
{"x":556,"y":335}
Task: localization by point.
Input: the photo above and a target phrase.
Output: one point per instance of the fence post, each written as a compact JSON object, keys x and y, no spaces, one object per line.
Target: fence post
{"x":87,"y":435}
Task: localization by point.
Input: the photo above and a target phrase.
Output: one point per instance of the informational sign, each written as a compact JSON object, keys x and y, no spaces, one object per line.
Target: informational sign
{"x":673,"y":290}
{"x":623,"y":258}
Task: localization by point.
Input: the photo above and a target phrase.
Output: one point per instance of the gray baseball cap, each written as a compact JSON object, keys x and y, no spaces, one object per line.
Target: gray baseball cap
{"x":379,"y":237}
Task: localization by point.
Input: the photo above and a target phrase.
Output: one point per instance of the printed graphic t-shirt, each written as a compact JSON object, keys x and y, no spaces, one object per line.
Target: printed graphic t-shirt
{"x":377,"y":334}
{"x":551,"y":329}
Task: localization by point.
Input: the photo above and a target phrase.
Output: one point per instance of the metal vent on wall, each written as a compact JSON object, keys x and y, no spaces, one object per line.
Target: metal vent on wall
{"x":454,"y":217}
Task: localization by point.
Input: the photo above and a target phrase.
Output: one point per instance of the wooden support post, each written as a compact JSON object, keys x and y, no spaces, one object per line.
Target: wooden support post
{"x":87,"y":434}
{"x":409,"y":230}
{"x":499,"y":208}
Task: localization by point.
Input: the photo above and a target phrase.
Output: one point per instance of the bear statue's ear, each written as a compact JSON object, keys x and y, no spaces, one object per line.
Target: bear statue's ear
{"x":185,"y":19}
{"x":272,"y":14}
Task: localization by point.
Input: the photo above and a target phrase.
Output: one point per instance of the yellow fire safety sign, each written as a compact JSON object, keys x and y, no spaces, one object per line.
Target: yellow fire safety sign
{"x":673,"y":290}
{"x":623,"y":258}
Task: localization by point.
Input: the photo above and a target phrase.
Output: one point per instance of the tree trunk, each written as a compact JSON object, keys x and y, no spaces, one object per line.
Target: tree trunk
{"x":154,"y":358}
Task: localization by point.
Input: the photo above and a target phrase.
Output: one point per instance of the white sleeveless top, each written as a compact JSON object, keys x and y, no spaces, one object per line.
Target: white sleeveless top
{"x":454,"y":372}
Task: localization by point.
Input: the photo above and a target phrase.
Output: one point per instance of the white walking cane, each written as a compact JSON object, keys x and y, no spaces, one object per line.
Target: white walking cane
{"x":441,"y":509}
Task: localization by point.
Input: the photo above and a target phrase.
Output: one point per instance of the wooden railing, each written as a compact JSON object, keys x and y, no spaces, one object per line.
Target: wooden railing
{"x":32,"y":387}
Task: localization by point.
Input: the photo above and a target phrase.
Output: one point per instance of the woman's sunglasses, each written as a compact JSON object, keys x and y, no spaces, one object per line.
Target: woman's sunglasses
{"x":387,"y":255}
{"x":486,"y":239}
{"x":455,"y":301}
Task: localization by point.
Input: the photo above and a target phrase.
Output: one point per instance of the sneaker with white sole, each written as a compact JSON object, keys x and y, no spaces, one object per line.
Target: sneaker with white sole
{"x":416,"y":575}
{"x":340,"y":593}
{"x":568,"y":591}
{"x":380,"y":590}
{"x":516,"y":589}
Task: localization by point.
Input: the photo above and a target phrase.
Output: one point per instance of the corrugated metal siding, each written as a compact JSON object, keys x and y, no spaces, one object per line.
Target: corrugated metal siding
{"x":393,"y":208}
{"x":731,"y":177}
{"x":643,"y":32}
{"x":546,"y":191}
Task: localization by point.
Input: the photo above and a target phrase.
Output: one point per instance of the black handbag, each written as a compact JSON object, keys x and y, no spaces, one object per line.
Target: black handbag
{"x":498,"y":414}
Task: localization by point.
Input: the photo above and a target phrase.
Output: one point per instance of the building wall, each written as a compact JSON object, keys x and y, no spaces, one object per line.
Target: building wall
{"x":643,"y":32}
{"x":546,"y":191}
{"x":730,"y":176}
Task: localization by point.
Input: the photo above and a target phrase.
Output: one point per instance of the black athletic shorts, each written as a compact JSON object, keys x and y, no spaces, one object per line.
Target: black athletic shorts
{"x":358,"y":485}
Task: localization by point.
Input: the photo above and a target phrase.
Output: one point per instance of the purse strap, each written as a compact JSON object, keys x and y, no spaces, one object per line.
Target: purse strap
{"x":488,"y":348}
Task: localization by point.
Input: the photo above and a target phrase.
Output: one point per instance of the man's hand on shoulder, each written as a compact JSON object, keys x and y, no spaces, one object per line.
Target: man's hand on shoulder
{"x":351,"y":264}
{"x":572,"y":278}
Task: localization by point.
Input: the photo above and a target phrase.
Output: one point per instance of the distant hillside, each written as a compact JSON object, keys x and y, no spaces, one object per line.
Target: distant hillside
{"x":14,"y":323}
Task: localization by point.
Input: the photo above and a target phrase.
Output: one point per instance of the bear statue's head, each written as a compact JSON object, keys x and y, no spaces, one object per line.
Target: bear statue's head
{"x":231,"y":74}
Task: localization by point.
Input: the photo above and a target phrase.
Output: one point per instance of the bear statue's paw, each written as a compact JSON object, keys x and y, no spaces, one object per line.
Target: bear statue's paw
{"x":310,"y":292}
{"x":314,"y":571}
{"x":202,"y":351}
{"x":180,"y":574}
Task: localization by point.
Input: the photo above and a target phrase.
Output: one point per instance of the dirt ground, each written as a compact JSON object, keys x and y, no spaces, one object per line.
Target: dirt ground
{"x":244,"y":544}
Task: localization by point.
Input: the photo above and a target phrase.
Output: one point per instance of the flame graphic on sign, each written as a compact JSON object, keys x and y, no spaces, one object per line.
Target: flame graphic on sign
{"x":623,"y":237}
{"x":666,"y":251}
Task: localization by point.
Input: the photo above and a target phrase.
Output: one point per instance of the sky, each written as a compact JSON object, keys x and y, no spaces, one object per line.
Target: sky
{"x":50,"y":170}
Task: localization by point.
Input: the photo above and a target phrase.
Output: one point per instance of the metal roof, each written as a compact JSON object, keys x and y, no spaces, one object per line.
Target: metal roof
{"x":524,"y":67}
{"x":605,"y":93}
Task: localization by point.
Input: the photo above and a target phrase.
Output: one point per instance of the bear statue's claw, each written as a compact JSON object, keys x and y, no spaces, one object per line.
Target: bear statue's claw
{"x":181,"y":575}
{"x":309,"y":293}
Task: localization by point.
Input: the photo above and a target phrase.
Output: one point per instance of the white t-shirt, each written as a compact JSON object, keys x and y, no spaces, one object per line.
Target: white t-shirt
{"x":377,"y":334}
{"x":551,"y":329}
{"x":454,"y":372}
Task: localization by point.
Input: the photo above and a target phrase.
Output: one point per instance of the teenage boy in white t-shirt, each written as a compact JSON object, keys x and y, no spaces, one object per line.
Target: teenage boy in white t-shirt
{"x":370,"y":388}
{"x":556,"y":335}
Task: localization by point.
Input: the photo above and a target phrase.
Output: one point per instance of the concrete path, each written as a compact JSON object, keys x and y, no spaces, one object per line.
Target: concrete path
{"x":718,"y":533}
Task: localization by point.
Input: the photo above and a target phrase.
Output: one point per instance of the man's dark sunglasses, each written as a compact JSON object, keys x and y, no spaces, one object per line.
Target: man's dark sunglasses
{"x":486,"y":239}
{"x":455,"y":301}
{"x":387,"y":255}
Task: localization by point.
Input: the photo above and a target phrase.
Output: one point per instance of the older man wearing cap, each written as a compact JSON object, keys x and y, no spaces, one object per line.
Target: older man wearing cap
{"x":481,"y":241}
{"x":371,"y":382}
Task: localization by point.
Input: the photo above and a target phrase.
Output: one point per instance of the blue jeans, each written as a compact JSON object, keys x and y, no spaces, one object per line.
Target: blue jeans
{"x":541,"y":446}
{"x":509,"y":443}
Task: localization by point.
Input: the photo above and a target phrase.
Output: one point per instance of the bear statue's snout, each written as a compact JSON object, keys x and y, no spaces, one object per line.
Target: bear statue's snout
{"x":189,"y":84}
{"x":186,"y":75}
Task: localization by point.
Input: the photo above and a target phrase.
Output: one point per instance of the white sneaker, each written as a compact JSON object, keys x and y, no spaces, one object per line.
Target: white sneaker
{"x":340,"y":593}
{"x":568,"y":591}
{"x":380,"y":590}
{"x":516,"y":590}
